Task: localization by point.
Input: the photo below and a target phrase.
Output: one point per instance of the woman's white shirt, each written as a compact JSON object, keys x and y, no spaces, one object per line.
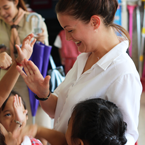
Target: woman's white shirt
{"x":114,"y":77}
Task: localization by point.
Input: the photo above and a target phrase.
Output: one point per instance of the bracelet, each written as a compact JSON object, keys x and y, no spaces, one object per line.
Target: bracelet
{"x":17,"y":63}
{"x":14,"y":26}
{"x":18,"y":122}
{"x":42,"y":99}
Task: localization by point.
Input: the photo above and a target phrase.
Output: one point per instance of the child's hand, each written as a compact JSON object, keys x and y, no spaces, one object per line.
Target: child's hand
{"x":20,"y":112}
{"x":27,"y":48}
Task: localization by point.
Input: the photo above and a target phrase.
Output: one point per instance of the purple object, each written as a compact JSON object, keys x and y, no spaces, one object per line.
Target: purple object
{"x":40,"y":57}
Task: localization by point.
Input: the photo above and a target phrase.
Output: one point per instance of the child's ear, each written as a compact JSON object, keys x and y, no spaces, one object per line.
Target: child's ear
{"x":79,"y":142}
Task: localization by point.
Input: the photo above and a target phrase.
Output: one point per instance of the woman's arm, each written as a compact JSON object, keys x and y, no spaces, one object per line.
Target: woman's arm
{"x":8,"y":81}
{"x":39,"y":85}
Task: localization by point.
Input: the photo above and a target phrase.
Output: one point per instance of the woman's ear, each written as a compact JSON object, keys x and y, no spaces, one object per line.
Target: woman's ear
{"x":95,"y":21}
{"x":16,"y":2}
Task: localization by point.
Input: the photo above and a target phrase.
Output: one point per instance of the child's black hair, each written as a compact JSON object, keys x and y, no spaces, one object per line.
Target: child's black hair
{"x":2,"y":138}
{"x":97,"y":121}
{"x":13,"y":93}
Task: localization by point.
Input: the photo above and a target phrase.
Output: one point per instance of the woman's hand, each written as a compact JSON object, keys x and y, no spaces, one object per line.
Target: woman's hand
{"x":27,"y":48}
{"x":5,"y":60}
{"x":34,"y":79}
{"x":41,"y":37}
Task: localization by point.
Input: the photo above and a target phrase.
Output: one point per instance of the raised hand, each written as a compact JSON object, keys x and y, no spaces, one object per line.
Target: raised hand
{"x":34,"y":79}
{"x":40,"y":36}
{"x":27,"y":48}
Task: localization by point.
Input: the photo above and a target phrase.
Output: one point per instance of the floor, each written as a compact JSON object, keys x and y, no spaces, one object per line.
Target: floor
{"x":141,"y":128}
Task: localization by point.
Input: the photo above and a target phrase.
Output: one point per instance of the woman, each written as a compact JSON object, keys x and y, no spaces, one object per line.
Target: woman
{"x":14,"y":28}
{"x":103,"y":69}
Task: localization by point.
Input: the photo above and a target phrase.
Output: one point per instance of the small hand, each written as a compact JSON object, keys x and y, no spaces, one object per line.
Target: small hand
{"x":41,"y":37}
{"x":5,"y":60}
{"x":34,"y":79}
{"x":27,"y":48}
{"x":20,"y":112}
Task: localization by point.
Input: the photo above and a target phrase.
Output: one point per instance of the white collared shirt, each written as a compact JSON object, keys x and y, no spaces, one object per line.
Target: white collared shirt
{"x":114,"y":77}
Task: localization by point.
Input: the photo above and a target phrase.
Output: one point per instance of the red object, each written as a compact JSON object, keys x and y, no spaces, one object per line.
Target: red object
{"x":35,"y":141}
{"x":136,"y":143}
{"x":41,"y":4}
{"x":69,"y":51}
{"x":18,"y":63}
{"x":143,"y":83}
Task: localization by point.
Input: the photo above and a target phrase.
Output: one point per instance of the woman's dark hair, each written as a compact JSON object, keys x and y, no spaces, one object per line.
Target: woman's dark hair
{"x":2,"y":138}
{"x":97,"y":121}
{"x":13,"y":93}
{"x":21,"y":4}
{"x":85,"y":9}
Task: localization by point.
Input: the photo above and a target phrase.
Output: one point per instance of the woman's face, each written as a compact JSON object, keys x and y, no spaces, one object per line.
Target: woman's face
{"x":7,"y":115}
{"x":8,"y":10}
{"x":9,"y":139}
{"x":79,"y":32}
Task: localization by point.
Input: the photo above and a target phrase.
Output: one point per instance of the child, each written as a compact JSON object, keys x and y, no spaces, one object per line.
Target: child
{"x":93,"y":122}
{"x":13,"y":117}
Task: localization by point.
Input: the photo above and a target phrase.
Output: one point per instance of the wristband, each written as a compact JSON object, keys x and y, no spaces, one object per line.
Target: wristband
{"x":18,"y":122}
{"x":42,"y":99}
{"x":17,"y":63}
{"x":14,"y":26}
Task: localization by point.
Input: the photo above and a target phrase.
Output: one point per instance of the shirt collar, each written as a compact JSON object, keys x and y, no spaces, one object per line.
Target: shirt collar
{"x":109,"y":57}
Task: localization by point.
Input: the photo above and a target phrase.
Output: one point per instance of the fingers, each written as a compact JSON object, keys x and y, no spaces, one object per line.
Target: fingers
{"x":46,"y":80}
{"x":33,"y":42}
{"x":31,"y":67}
{"x":18,"y":48}
{"x":21,"y":72}
{"x":29,"y":37}
{"x":17,"y":101}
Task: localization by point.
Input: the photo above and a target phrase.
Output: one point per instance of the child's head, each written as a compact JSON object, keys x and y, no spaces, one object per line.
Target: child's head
{"x":7,"y":113}
{"x":96,"y":121}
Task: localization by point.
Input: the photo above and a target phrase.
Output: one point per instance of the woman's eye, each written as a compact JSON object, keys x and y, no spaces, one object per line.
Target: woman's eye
{"x":70,"y":31}
{"x":6,"y":8}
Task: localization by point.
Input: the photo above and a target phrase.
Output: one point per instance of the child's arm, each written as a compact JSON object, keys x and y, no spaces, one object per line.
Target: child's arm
{"x":8,"y":81}
{"x":52,"y":136}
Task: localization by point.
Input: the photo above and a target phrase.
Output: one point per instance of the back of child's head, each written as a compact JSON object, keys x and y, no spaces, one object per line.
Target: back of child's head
{"x":97,"y":121}
{"x":13,"y":93}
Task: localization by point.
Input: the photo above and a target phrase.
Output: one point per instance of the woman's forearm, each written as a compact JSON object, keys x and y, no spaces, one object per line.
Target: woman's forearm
{"x":49,"y":105}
